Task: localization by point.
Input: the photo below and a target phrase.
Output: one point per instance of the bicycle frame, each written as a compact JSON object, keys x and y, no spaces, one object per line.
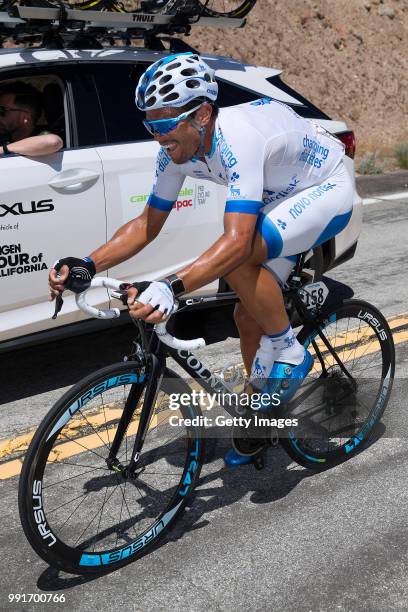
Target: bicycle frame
{"x":156,"y":362}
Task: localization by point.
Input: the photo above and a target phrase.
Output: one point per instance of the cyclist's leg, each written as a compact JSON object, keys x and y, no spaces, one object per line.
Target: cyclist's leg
{"x":294,"y":225}
{"x":325,"y":210}
{"x":291,"y":226}
{"x":250,"y":333}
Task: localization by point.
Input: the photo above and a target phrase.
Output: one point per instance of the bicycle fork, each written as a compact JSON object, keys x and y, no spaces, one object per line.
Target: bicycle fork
{"x":155,"y":372}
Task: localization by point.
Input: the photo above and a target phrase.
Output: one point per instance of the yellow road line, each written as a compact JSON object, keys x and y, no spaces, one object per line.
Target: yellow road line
{"x":90,"y":442}
{"x":10,"y":446}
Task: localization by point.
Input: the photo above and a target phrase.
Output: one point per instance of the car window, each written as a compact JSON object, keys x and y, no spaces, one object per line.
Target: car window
{"x":230,"y":95}
{"x":308,"y":110}
{"x":87,"y":122}
{"x":116,"y":84}
{"x":51,"y":89}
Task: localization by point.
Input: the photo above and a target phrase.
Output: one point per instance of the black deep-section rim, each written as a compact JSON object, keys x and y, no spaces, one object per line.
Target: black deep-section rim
{"x":320,"y":460}
{"x":238,"y":13}
{"x":68,"y":558}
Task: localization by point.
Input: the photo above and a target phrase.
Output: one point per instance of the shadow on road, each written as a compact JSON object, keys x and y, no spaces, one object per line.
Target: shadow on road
{"x":217,"y":489}
{"x":34,"y":370}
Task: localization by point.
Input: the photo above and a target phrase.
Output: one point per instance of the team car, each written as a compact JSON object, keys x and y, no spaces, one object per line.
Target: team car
{"x":74,"y":200}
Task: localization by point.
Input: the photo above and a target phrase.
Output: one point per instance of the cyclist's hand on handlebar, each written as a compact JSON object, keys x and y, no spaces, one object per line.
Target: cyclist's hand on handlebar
{"x":155,"y":302}
{"x":56,"y":281}
{"x":71,"y":273}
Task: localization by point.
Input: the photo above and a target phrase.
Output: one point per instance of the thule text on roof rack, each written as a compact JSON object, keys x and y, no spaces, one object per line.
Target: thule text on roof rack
{"x":58,"y":27}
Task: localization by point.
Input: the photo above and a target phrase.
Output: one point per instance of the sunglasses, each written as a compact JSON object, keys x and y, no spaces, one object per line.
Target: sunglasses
{"x":6,"y":109}
{"x":164,"y":126}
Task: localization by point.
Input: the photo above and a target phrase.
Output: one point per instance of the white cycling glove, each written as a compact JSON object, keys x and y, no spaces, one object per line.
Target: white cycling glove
{"x":159,"y":295}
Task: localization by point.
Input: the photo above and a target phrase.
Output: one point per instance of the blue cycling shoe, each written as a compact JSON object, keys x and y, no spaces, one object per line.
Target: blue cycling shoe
{"x":235,"y":459}
{"x":285,"y":379}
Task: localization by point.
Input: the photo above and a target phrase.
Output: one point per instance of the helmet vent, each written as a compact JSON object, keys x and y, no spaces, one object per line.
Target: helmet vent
{"x":207,"y":77}
{"x":165,"y":79}
{"x":192,"y":83}
{"x":189,"y":72}
{"x":173,"y":66}
{"x":151,"y":101}
{"x":171,"y":97}
{"x":157,"y":75}
{"x":151,"y":90}
{"x":166,"y":89}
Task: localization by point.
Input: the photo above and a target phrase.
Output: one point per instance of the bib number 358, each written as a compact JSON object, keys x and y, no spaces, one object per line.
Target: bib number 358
{"x":314,"y":295}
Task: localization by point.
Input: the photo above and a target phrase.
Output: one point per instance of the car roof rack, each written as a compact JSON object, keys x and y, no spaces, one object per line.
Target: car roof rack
{"x":63,"y":27}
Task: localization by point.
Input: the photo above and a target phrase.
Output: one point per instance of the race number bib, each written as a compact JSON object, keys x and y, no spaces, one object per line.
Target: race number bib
{"x":314,"y":295}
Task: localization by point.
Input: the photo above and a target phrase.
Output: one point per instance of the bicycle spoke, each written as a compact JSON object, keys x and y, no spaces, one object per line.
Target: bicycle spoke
{"x":70,"y":478}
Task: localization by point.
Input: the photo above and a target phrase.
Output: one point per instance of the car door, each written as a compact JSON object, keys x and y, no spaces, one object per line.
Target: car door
{"x":129,"y":165}
{"x":50,"y":207}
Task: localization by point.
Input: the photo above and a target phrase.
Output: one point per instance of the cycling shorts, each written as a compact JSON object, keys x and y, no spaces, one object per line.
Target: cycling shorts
{"x":305,"y":220}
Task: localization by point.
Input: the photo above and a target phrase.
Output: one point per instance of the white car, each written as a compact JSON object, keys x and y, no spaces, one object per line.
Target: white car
{"x":73,"y":201}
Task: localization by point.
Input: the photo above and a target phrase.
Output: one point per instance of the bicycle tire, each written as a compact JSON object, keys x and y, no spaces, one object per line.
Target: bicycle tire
{"x":110,"y":6}
{"x":39,"y":489}
{"x":227,"y":8}
{"x":357,"y":435}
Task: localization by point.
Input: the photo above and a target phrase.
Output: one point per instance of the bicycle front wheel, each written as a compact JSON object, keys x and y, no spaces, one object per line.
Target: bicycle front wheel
{"x":337,"y":411}
{"x":78,"y":512}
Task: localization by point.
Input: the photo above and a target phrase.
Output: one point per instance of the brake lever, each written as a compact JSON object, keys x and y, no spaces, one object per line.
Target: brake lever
{"x":120,"y":295}
{"x":58,"y":305}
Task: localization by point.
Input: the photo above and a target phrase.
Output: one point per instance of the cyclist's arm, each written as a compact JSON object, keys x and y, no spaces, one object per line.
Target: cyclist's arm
{"x":227,"y":253}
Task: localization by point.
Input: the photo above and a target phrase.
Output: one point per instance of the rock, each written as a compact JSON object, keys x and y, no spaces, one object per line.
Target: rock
{"x":386,"y":11}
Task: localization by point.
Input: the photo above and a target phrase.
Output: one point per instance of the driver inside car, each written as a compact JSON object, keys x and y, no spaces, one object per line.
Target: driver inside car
{"x":20,"y":110}
{"x":287,"y":192}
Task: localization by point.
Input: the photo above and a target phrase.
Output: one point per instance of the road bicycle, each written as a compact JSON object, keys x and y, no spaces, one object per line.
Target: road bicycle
{"x":107,"y":474}
{"x":237,"y":9}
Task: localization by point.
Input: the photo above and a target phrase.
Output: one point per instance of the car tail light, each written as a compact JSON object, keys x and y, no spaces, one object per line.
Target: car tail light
{"x":349,"y":141}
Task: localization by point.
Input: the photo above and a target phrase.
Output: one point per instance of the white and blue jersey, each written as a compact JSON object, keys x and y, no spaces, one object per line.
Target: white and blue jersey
{"x":268,"y":157}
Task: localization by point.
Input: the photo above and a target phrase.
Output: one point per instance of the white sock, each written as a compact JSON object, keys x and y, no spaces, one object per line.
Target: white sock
{"x":278,"y":347}
{"x":286,"y":347}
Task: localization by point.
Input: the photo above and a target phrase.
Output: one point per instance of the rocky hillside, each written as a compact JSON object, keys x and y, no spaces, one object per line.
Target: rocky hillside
{"x":349,"y":57}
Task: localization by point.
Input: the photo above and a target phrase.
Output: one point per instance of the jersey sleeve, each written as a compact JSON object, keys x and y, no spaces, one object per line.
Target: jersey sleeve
{"x":243,"y":157}
{"x":168,"y":183}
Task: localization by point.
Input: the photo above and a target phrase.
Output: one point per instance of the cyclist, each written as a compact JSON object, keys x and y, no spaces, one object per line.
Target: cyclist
{"x":287,"y":191}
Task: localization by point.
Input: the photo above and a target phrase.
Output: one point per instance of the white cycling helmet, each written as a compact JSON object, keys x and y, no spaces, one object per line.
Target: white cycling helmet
{"x":174,"y":81}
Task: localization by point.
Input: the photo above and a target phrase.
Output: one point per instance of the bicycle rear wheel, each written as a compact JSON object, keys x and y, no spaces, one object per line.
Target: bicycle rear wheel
{"x":79,"y":514}
{"x":337,"y":416}
{"x":227,"y":8}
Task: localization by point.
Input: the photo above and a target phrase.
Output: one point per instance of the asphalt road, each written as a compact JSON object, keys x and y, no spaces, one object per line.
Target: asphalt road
{"x":283,"y":538}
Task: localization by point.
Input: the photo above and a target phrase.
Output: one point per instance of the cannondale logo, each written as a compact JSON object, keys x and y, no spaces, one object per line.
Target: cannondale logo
{"x":282,"y":224}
